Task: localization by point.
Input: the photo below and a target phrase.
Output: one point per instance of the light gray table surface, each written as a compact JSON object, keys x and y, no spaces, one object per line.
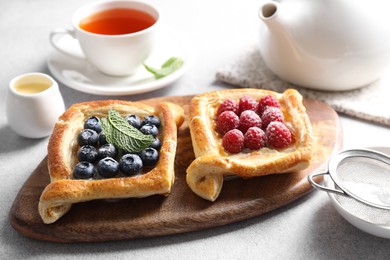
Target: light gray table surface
{"x":309,"y":228}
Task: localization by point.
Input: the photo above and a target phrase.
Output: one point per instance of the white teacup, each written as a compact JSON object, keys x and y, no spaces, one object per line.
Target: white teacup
{"x":116,"y":54}
{"x":33,"y":105}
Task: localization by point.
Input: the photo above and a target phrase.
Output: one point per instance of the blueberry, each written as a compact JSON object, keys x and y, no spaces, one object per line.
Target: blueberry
{"x":84,"y":170}
{"x":107,"y":150}
{"x":87,"y":153}
{"x":130,"y":164}
{"x":87,"y":136}
{"x":149,"y":156}
{"x":134,"y":120}
{"x":149,"y":129}
{"x":93,"y":123}
{"x":102,"y":139}
{"x":152,"y":120}
{"x":156,"y":144}
{"x":108,"y":167}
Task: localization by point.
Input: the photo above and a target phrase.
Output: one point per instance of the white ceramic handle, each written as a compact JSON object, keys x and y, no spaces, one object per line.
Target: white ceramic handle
{"x":60,"y":48}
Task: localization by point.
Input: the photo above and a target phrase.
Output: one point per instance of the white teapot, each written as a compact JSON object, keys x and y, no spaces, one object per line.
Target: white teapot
{"x":326,"y":44}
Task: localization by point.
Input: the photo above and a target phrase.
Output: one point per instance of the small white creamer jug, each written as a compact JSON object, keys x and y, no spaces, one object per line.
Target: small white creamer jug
{"x":33,"y":105}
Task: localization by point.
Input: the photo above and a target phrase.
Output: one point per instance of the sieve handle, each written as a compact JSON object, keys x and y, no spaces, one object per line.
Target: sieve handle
{"x":310,"y":178}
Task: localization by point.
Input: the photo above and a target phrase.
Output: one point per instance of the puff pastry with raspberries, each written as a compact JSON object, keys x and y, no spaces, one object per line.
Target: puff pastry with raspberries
{"x":64,"y":154}
{"x":246,"y":133}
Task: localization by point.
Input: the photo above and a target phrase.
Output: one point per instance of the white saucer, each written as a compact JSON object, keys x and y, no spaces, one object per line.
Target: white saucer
{"x":80,"y":75}
{"x":363,"y":224}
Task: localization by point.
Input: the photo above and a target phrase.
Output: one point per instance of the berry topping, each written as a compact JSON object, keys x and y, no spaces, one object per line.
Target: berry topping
{"x":102,"y":139}
{"x":271,"y":114}
{"x":233,"y":141}
{"x":152,"y":120}
{"x":255,"y":138}
{"x":100,"y":155}
{"x":87,"y":136}
{"x":149,"y":156}
{"x":87,"y":153}
{"x":226,"y":121}
{"x":156,"y":144}
{"x":149,"y":129}
{"x":267,"y":101}
{"x":130,"y":164}
{"x":134,"y":120}
{"x":260,"y":124}
{"x":248,"y":119}
{"x":247,"y":103}
{"x":84,"y":170}
{"x":107,"y":150}
{"x":108,"y":167}
{"x":228,"y":105}
{"x":93,"y":123}
{"x":278,"y":135}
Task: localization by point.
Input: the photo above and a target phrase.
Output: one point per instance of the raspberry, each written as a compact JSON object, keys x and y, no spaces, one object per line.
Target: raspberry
{"x":233,"y":141}
{"x":249,"y":118}
{"x":226,"y":121}
{"x":247,"y":103}
{"x":271,"y":114}
{"x":278,"y":135}
{"x":227,"y":105}
{"x":267,"y":101}
{"x":254,"y":138}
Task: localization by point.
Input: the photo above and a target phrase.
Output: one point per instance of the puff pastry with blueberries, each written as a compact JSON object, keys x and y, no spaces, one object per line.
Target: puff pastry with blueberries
{"x":246,"y":133}
{"x":69,"y":186}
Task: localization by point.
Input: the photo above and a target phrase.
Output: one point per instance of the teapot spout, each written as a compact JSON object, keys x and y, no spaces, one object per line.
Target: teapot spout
{"x":269,"y":11}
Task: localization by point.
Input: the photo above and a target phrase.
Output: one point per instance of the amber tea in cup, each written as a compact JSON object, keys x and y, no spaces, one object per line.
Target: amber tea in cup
{"x":115,"y":36}
{"x":117,"y":21}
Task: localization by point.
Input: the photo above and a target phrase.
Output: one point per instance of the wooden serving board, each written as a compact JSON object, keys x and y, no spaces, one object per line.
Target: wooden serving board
{"x":182,"y":211}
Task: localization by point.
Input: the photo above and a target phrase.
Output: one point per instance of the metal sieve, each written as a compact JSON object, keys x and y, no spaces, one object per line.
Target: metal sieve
{"x":363,"y":175}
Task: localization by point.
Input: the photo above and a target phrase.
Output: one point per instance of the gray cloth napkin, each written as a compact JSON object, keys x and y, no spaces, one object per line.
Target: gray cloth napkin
{"x":371,"y":102}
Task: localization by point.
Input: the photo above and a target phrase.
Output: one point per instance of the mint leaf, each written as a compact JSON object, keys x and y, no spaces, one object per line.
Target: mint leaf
{"x":169,"y":66}
{"x":107,"y":130}
{"x":123,"y":135}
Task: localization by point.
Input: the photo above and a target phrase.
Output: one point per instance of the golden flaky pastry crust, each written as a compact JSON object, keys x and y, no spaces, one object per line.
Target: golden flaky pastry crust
{"x":206,"y":173}
{"x":58,"y":197}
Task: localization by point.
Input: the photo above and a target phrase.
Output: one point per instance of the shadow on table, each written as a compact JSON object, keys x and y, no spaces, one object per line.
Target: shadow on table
{"x":335,"y":238}
{"x":10,"y":141}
